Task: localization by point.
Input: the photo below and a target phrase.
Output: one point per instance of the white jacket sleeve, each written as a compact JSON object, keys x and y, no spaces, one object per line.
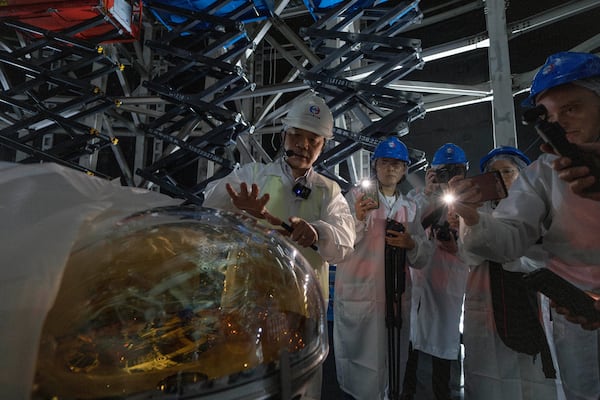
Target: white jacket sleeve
{"x":419,"y":256}
{"x":515,"y":225}
{"x":336,"y":230}
{"x":359,"y":226}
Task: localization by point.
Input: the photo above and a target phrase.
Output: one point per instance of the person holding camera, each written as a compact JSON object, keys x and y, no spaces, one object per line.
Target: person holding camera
{"x":568,"y":86}
{"x":506,"y":351}
{"x":386,"y":223}
{"x":439,"y":287}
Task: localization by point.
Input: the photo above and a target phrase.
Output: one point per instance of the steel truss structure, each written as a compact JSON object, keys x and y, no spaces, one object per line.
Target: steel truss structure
{"x":186,"y":91}
{"x":170,"y":95}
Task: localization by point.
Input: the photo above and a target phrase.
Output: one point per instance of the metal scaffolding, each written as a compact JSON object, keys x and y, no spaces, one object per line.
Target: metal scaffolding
{"x":169,"y":95}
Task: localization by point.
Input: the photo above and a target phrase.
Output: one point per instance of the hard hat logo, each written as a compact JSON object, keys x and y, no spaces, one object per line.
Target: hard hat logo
{"x":310,"y":113}
{"x":449,"y":154}
{"x":391,"y":147}
{"x":562,"y":68}
{"x":548,"y":69}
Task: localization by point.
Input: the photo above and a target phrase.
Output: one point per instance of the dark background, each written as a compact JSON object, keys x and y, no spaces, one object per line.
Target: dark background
{"x":471,"y":126}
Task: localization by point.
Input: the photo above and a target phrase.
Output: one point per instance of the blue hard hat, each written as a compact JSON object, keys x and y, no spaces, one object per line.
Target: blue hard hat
{"x":391,"y":147}
{"x":561,"y":68}
{"x":503,"y":150}
{"x":449,"y":154}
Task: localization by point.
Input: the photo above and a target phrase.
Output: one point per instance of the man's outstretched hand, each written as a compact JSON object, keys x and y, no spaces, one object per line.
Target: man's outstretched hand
{"x":250,"y":202}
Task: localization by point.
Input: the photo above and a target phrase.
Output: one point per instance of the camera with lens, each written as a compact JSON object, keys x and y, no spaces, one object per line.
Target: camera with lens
{"x":443,"y":232}
{"x":392,"y":225}
{"x":301,"y":191}
{"x":444,"y":174}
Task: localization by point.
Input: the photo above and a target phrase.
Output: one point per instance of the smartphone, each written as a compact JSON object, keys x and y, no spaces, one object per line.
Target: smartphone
{"x":553,"y":134}
{"x":563,"y":293}
{"x":370,"y":191}
{"x":491,"y":185}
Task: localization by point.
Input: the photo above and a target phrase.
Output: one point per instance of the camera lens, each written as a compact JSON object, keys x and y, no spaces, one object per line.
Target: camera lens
{"x":444,"y":174}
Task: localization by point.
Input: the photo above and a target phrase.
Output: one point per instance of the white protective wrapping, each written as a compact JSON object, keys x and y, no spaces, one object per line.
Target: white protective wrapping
{"x":44,"y":210}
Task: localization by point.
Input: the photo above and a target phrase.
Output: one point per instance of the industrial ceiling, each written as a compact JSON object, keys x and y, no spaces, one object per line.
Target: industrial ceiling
{"x":169,"y":95}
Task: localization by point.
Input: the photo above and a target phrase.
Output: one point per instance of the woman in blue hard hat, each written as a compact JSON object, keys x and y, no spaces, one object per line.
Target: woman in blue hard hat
{"x":494,"y":367}
{"x":360,"y":336}
{"x":540,"y":202}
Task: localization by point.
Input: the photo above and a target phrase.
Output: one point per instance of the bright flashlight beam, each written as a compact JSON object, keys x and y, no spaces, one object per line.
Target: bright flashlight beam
{"x":448,"y":198}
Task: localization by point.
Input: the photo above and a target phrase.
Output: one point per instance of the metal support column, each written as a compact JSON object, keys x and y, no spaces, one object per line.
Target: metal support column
{"x":505,"y":133}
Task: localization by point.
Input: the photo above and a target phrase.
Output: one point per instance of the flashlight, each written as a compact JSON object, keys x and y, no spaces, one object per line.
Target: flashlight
{"x":366,"y":184}
{"x":448,"y":198}
{"x":370,"y":192}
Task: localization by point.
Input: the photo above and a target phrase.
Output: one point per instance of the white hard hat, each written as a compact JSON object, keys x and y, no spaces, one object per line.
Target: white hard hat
{"x":310,"y":113}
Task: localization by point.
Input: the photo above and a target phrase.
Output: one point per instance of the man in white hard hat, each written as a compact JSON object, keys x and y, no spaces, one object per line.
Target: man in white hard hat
{"x":289,"y":190}
{"x":293,"y":192}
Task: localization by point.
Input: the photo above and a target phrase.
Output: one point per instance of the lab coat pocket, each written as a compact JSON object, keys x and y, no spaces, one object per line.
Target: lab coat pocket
{"x":356,"y":303}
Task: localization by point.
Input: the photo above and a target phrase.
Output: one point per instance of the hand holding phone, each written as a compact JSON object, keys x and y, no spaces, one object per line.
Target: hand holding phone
{"x":370,"y":193}
{"x":563,"y":293}
{"x":490,"y":184}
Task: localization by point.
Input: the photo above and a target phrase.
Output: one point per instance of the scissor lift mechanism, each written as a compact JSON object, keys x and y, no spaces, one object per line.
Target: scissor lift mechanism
{"x":185,"y":86}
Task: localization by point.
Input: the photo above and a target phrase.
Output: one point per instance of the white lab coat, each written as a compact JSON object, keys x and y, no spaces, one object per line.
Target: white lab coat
{"x":540,"y":201}
{"x":326,"y":209}
{"x":438,"y":292}
{"x":492,"y":370}
{"x":359,"y":329}
{"x":45,"y":209}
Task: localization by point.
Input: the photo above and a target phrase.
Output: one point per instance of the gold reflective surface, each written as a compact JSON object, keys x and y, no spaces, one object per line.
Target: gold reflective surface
{"x":176,"y":295}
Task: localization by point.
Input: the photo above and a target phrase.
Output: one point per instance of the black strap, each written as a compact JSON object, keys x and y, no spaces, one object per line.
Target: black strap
{"x":395,"y":283}
{"x":547,"y":364}
{"x":516,"y":314}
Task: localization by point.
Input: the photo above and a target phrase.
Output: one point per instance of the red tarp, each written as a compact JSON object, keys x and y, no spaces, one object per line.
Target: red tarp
{"x":58,"y":16}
